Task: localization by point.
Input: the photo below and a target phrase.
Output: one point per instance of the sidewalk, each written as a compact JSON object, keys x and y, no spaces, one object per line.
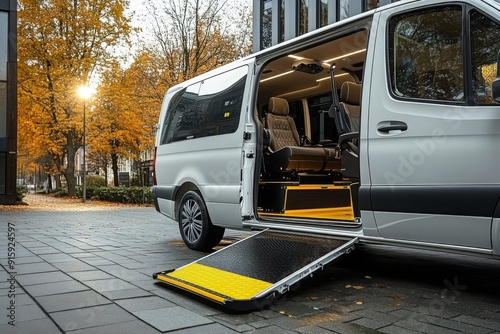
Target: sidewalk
{"x":86,"y":268}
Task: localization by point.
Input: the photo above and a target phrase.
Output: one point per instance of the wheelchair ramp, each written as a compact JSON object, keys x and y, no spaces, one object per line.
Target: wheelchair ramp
{"x":254,"y":271}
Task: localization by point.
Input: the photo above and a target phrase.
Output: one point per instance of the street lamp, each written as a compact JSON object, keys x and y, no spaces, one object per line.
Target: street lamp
{"x":84,"y":93}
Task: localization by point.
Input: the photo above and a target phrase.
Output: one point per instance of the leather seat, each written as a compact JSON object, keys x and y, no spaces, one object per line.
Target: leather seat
{"x":285,"y":150}
{"x":350,"y":98}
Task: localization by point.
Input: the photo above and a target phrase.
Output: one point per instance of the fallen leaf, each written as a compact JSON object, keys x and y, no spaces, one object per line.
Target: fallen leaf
{"x":396,"y":297}
{"x":359,"y":303}
{"x":312,"y":298}
{"x":282,"y":312}
{"x":358,"y":287}
{"x":368,"y":277}
{"x":347,"y":286}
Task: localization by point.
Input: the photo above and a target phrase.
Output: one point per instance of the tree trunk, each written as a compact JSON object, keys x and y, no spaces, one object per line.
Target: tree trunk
{"x":114,"y":166}
{"x":69,"y":171}
{"x":106,"y":171}
{"x":58,"y":181}
{"x":49,"y":182}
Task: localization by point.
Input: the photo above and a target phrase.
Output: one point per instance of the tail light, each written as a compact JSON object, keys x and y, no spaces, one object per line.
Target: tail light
{"x":154,"y":169}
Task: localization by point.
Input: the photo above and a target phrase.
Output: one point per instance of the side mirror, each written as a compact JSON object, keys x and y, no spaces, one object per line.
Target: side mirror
{"x":496,"y":83}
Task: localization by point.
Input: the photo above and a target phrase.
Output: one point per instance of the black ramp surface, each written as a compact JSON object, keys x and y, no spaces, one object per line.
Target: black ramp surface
{"x":271,"y":256}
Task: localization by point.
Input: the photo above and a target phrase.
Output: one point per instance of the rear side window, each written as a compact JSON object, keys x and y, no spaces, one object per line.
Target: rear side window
{"x":485,"y":44}
{"x":208,"y":108}
{"x":426,"y":54}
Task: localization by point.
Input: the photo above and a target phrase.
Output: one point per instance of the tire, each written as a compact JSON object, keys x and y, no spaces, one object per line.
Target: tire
{"x":197,"y":231}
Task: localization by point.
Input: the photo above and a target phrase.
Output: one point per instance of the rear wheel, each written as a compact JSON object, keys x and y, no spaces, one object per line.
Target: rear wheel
{"x":195,"y":226}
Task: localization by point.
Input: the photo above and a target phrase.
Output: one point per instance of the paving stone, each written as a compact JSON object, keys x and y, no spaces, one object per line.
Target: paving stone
{"x":39,"y":326}
{"x":23,"y":313}
{"x":91,"y":317}
{"x":393,"y":329}
{"x":20,"y":299}
{"x":484,"y":323}
{"x":72,"y":300}
{"x":454,"y":325}
{"x":97,"y":261}
{"x":126,"y":293}
{"x":28,"y":259}
{"x":129,"y":275}
{"x":206,"y":329}
{"x":171,"y":318}
{"x":34,"y":268}
{"x":74,"y":265}
{"x":109,"y":284}
{"x":55,"y":288}
{"x":424,"y":327}
{"x":129,"y":327}
{"x":44,"y":250}
{"x":41,"y":278}
{"x":270,"y":329}
{"x":144,"y":303}
{"x":368,"y":323}
{"x":90,"y":275}
{"x":58,"y":257}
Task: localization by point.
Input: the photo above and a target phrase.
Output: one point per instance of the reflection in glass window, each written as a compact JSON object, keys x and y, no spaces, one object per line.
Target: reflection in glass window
{"x":282,"y":21}
{"x":267,"y":23}
{"x":206,"y":109}
{"x":371,"y":4}
{"x":426,"y":56}
{"x":323,"y":14}
{"x":4,"y":36}
{"x":485,"y":42}
{"x":344,"y":9}
{"x":3,"y":110}
{"x":303,"y":16}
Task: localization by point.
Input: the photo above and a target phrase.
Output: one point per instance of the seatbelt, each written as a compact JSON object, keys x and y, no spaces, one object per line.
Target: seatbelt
{"x":336,"y":110}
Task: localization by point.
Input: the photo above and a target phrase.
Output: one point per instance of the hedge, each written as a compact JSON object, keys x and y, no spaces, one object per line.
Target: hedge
{"x":131,"y":195}
{"x":21,"y":191}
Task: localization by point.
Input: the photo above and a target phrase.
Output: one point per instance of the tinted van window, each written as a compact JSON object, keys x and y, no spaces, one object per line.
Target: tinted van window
{"x":426,"y":54}
{"x":211,"y":107}
{"x":485,"y":44}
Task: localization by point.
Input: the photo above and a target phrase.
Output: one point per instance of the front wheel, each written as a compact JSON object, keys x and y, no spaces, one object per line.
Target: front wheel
{"x":195,"y":226}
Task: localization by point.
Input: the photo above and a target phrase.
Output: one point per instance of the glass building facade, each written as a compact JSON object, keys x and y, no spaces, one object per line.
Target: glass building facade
{"x":276,"y":21}
{"x":8,"y":101}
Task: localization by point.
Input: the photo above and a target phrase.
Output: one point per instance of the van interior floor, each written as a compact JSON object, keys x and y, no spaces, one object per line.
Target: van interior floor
{"x":342,"y":213}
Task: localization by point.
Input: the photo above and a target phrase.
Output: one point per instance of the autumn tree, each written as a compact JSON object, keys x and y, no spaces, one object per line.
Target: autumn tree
{"x":120,"y":125}
{"x":191,"y":37}
{"x":62,"y":44}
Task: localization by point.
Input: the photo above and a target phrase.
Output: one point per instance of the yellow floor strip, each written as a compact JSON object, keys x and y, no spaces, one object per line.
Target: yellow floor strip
{"x":229,"y":284}
{"x":343,"y":213}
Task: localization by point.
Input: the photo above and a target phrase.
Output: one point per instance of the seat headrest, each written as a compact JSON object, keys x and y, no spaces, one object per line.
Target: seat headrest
{"x":278,"y":106}
{"x":350,"y":93}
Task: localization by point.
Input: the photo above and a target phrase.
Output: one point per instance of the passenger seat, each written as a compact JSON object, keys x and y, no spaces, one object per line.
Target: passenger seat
{"x":285,"y":151}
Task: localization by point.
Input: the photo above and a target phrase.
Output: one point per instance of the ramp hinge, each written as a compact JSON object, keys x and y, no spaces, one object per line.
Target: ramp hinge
{"x":247,"y":136}
{"x":247,"y":217}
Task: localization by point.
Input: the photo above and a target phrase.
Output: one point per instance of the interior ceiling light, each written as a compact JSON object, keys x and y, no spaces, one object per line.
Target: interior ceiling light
{"x":295,"y":57}
{"x":336,"y":76}
{"x":343,"y":56}
{"x":276,"y":76}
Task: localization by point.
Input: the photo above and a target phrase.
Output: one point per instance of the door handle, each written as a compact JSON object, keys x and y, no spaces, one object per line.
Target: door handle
{"x":387,"y":126}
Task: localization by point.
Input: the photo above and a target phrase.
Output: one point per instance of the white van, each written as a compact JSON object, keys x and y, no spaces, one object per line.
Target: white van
{"x":401,"y":147}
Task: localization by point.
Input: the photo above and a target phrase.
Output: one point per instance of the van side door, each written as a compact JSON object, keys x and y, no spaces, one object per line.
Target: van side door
{"x":433,"y":128}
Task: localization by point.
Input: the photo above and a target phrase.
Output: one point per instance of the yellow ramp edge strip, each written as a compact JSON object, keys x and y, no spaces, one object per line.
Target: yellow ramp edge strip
{"x":191,"y":288}
{"x":226,"y":283}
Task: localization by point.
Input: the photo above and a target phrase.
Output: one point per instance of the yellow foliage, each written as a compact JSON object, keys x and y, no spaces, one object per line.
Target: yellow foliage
{"x":60,"y":44}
